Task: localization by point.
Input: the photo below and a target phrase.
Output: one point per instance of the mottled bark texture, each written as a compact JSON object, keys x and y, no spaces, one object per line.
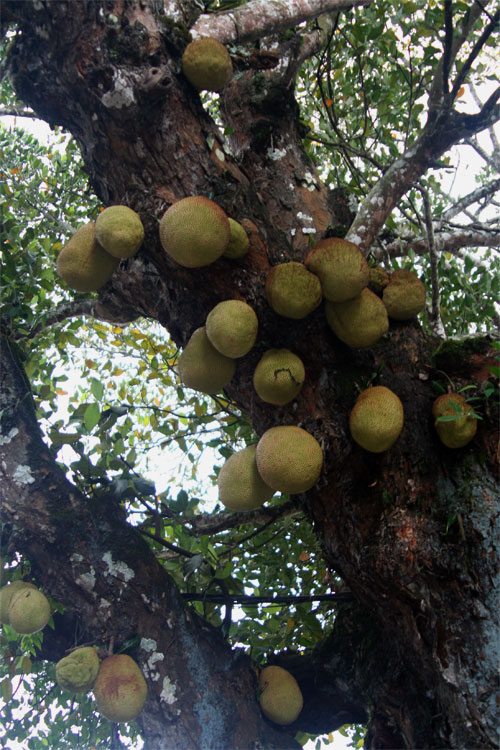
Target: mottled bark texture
{"x":413,"y":531}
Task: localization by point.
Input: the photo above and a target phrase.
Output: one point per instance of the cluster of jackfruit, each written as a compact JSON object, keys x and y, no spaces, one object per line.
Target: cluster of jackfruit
{"x":88,"y":259}
{"x":118,"y":685}
{"x":24,"y":607}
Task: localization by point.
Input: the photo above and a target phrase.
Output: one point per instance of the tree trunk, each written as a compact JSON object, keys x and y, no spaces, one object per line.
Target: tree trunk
{"x":413,"y":531}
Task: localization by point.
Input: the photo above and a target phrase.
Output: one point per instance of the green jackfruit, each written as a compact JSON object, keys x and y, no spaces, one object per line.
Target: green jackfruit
{"x":119,"y":230}
{"x":376,"y":419}
{"x":202,"y":367}
{"x":279,"y":376}
{"x":238,"y":241}
{"x":231,"y":327}
{"x":83,"y":263}
{"x":341,"y":267}
{"x":292,"y":291}
{"x":404,"y":295}
{"x":240,"y":485}
{"x":120,"y":689}
{"x":206,"y":64}
{"x":280,"y":696}
{"x":289,"y":459}
{"x":29,"y":611}
{"x":359,"y":322}
{"x":77,"y":672}
{"x":194,"y":231}
{"x":459,"y":426}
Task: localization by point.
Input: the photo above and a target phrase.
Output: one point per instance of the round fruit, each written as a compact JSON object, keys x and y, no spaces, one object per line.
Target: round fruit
{"x":232,"y":327}
{"x":376,"y":419}
{"x":238,"y":241}
{"x":83,"y":263}
{"x":404,"y":295}
{"x":194,"y":231}
{"x":29,"y":611}
{"x":359,"y":322}
{"x":279,"y":376}
{"x":341,"y":267}
{"x":119,"y":230}
{"x":292,"y":291}
{"x":202,"y":367}
{"x":77,"y":672}
{"x":289,"y":459}
{"x":206,"y":64}
{"x":280,"y":696}
{"x":6,"y":594}
{"x":120,"y":689}
{"x":240,"y":485}
{"x":459,"y":426}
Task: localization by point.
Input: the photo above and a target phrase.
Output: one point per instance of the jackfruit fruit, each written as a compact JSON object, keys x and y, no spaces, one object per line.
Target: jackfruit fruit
{"x":292,"y":291}
{"x":194,"y":231}
{"x":120,"y":689}
{"x":280,"y":696}
{"x":29,"y":611}
{"x":231,"y":327}
{"x":77,"y":672}
{"x":279,"y":376}
{"x":379,"y":278}
{"x":289,"y":459}
{"x":82,"y":263}
{"x":376,"y":419}
{"x":202,"y":367}
{"x":238,"y":241}
{"x":206,"y":64}
{"x":359,"y":322}
{"x":6,"y":594}
{"x":341,"y":267}
{"x":119,"y":230}
{"x":460,"y":426}
{"x":240,"y":485}
{"x":404,"y":295}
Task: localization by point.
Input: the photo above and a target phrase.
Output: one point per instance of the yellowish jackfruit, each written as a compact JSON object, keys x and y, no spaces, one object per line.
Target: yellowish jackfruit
{"x":194,"y":231}
{"x":238,"y":241}
{"x":279,"y":376}
{"x":379,"y":278}
{"x":202,"y":367}
{"x":232,"y":327}
{"x":119,"y":230}
{"x":29,"y":611}
{"x":6,"y":594}
{"x":77,"y":672}
{"x":240,"y":485}
{"x":289,"y":459}
{"x":280,"y":696}
{"x":120,"y":689}
{"x":206,"y":64}
{"x":460,"y":425}
{"x":404,"y":295}
{"x":292,"y":291}
{"x":341,"y":267}
{"x":359,"y":322}
{"x":82,"y":263}
{"x":376,"y":419}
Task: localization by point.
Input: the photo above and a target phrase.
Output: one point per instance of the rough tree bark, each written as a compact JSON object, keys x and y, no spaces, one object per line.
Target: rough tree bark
{"x":416,"y":653}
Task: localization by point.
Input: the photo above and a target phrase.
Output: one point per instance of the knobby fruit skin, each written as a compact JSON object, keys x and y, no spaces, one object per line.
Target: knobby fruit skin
{"x":404,"y":295}
{"x":376,"y":419}
{"x":341,"y":268}
{"x":279,"y":376}
{"x":78,"y":671}
{"x":120,"y":689}
{"x":238,"y":241}
{"x":280,"y":697}
{"x":194,"y":231}
{"x":241,"y":488}
{"x":292,"y":291}
{"x":6,"y":594}
{"x":359,"y":322}
{"x":207,"y":65}
{"x":460,"y":430}
{"x":119,"y":230}
{"x":202,"y":367}
{"x":289,"y":459}
{"x":29,"y":611}
{"x":83,"y":264}
{"x":231,"y":328}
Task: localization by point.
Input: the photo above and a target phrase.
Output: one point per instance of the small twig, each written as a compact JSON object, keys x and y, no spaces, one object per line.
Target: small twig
{"x":436,"y":320}
{"x":254,"y":601}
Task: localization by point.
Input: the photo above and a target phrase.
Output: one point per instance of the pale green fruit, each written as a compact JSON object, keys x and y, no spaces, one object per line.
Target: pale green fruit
{"x":460,"y":430}
{"x":379,"y":278}
{"x":404,"y":295}
{"x":119,"y":230}
{"x":231,"y":327}
{"x":238,"y":241}
{"x":82,"y":263}
{"x":206,"y":64}
{"x":279,"y":376}
{"x":29,"y":611}
{"x":120,"y":689}
{"x":376,"y":419}
{"x":6,"y":594}
{"x":341,"y":267}
{"x":240,"y":485}
{"x":359,"y":322}
{"x":292,"y":291}
{"x":194,"y":231}
{"x":202,"y":367}
{"x":77,"y":672}
{"x":289,"y":459}
{"x":280,"y":696}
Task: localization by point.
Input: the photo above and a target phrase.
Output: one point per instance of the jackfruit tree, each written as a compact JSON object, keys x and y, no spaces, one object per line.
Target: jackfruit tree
{"x":372,"y":576}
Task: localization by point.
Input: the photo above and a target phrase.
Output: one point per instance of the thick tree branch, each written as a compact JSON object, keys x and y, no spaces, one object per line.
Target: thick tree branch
{"x":485,"y":191}
{"x":445,"y":241}
{"x":259,"y":18}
